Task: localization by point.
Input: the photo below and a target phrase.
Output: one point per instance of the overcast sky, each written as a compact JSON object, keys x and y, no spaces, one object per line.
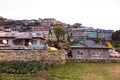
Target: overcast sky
{"x":103,"y":14}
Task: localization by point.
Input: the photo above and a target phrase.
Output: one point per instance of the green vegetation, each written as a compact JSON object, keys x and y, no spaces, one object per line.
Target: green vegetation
{"x":21,"y":68}
{"x":12,"y":78}
{"x":71,"y":43}
{"x":115,"y":35}
{"x":59,"y":32}
{"x":116,"y":40}
{"x":85,"y":71}
{"x":74,"y":71}
{"x":116,"y":45}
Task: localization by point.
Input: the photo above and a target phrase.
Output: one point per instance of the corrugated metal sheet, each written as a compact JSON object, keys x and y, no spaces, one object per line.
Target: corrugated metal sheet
{"x":89,"y":44}
{"x":21,"y":35}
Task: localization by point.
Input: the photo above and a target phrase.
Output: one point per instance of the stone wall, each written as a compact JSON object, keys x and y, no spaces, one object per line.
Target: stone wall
{"x":41,"y":56}
{"x":108,"y":60}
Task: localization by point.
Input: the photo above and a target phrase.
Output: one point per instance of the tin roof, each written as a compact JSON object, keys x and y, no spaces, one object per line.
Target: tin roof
{"x":21,"y":35}
{"x":89,"y":44}
{"x":6,"y":34}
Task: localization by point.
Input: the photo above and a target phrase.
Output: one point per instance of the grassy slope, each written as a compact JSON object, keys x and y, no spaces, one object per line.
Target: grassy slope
{"x":85,"y":71}
{"x":79,"y":71}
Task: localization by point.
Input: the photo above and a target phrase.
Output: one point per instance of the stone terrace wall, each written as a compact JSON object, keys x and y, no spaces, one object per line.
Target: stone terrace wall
{"x":109,"y":60}
{"x":41,"y":56}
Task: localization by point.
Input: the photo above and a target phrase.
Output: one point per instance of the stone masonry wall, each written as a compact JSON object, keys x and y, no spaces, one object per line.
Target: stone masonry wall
{"x":109,"y":60}
{"x":41,"y":56}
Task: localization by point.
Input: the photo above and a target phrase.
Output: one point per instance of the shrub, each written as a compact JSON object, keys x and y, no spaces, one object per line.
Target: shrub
{"x":21,"y":67}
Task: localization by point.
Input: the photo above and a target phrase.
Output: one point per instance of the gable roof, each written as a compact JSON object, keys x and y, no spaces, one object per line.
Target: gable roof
{"x":89,"y":44}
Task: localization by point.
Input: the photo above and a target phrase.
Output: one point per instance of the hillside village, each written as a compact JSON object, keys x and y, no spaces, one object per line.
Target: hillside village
{"x":49,"y":49}
{"x":80,"y":41}
{"x":59,"y":39}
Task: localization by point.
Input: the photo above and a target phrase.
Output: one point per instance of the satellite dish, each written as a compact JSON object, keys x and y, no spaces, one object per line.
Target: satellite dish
{"x":5,"y":41}
{"x":30,"y":43}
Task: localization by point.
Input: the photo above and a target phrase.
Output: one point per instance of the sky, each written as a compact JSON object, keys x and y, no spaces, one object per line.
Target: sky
{"x":101,"y":14}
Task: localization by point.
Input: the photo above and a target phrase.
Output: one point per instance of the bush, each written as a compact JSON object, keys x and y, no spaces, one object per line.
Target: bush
{"x":21,"y":67}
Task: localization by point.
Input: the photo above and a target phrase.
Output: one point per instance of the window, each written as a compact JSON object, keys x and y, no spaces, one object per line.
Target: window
{"x":97,"y":55}
{"x":101,"y":54}
{"x":81,"y":53}
{"x":71,"y":34}
{"x":78,"y":52}
{"x":1,"y":42}
{"x":34,"y":41}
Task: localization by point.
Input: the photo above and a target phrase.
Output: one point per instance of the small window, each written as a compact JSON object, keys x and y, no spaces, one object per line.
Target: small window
{"x":78,"y":52}
{"x":81,"y":53}
{"x":71,"y":34}
{"x":34,"y":41}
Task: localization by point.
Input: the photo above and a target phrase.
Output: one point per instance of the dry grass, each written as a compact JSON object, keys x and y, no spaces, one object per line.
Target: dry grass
{"x":91,"y":76}
{"x":87,"y":71}
{"x":114,"y":71}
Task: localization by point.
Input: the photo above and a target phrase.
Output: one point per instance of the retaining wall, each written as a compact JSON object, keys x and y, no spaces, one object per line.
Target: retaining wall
{"x":108,"y":60}
{"x":41,"y":56}
{"x":46,"y":57}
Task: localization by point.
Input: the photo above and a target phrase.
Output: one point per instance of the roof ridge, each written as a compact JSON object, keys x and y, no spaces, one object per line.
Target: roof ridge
{"x":84,"y":44}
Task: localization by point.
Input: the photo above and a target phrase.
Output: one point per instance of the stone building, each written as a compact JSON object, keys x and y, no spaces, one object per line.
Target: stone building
{"x":88,"y":49}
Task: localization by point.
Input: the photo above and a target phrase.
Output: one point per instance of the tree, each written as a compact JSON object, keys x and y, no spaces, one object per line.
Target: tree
{"x":59,"y":32}
{"x":116,"y":35}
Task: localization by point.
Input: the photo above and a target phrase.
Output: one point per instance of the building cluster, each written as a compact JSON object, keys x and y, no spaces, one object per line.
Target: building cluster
{"x":37,"y":32}
{"x":74,"y":32}
{"x":81,"y":33}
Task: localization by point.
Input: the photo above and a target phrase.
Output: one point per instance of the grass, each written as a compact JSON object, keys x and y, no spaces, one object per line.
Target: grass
{"x":85,"y":71}
{"x":77,"y":71}
{"x":12,"y":78}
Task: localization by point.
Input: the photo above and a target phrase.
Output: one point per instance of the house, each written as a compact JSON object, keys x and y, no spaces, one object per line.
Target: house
{"x":91,"y":32}
{"x":21,"y":38}
{"x":48,"y":21}
{"x":98,"y":33}
{"x":105,"y":34}
{"x":44,"y":28}
{"x":47,"y":31}
{"x":88,"y":49}
{"x":77,"y":25}
{"x":76,"y":34}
